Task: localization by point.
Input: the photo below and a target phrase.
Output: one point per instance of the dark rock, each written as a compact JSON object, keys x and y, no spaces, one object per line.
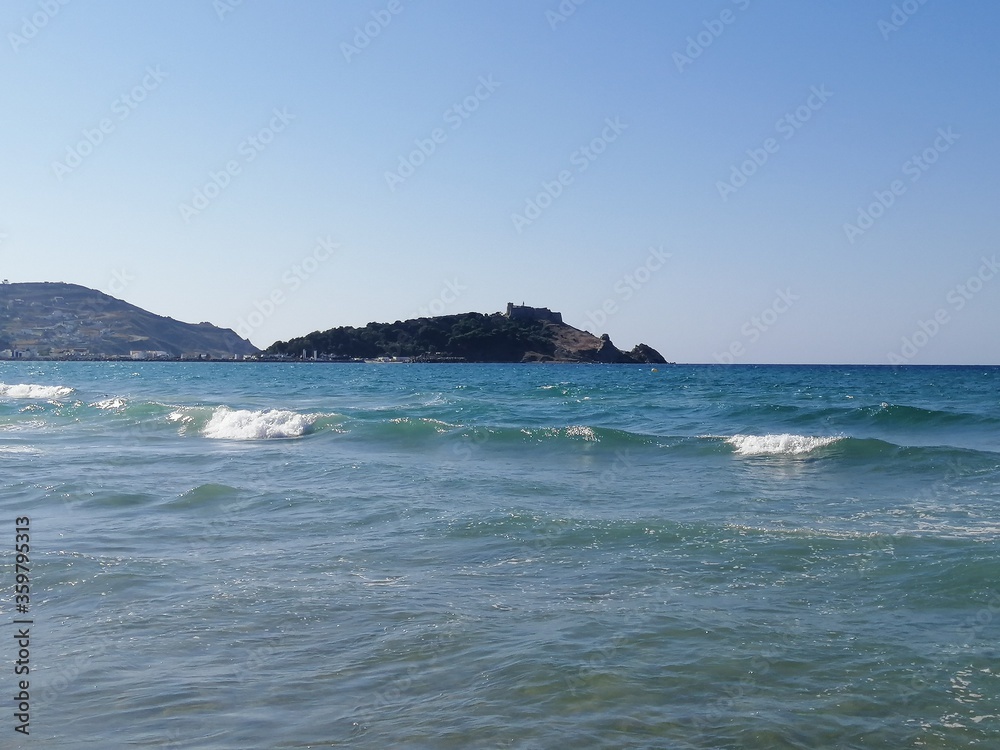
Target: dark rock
{"x":643,"y":354}
{"x":471,"y":337}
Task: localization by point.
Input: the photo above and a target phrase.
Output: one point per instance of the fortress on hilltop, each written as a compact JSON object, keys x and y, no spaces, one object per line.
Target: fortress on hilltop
{"x":522,"y":334}
{"x":523,"y":312}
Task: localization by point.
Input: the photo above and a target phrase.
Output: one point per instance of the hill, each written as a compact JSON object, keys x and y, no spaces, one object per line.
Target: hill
{"x":471,"y":337}
{"x":54,"y":319}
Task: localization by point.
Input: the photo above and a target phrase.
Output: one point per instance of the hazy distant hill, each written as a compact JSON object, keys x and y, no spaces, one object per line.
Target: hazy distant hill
{"x":48,"y":318}
{"x":474,"y":337}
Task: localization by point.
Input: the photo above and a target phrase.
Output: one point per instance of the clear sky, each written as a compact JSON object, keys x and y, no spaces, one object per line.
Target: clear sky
{"x":727,"y":180}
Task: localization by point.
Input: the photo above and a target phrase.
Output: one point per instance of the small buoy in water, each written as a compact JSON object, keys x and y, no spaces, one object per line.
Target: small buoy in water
{"x":654,"y":370}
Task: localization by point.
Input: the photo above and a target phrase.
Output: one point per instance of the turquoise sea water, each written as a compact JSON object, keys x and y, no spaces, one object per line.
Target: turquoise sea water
{"x":492,"y":556}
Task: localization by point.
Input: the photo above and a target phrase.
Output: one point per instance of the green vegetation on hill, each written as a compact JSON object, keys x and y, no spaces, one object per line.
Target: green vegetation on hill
{"x":474,"y":337}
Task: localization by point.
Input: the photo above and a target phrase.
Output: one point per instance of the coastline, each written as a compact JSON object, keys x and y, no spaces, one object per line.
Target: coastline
{"x":311,"y":360}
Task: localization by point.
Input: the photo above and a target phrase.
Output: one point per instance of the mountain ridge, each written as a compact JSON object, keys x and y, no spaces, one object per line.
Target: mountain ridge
{"x":58,"y":319}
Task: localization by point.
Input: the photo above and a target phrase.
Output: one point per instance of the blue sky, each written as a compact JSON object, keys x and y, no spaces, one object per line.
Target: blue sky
{"x":730,"y":180}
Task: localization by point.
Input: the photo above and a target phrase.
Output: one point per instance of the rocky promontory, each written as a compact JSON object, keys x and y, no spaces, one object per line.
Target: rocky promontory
{"x":523,"y":334}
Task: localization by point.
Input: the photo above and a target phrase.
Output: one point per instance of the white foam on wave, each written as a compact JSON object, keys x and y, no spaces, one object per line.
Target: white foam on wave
{"x":23,"y":449}
{"x":582,"y":431}
{"x":243,"y":424}
{"x":777,"y":445}
{"x":31,"y":390}
{"x":112,"y":404}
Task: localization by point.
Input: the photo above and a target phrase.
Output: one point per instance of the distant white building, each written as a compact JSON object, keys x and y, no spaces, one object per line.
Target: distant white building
{"x":148,"y":354}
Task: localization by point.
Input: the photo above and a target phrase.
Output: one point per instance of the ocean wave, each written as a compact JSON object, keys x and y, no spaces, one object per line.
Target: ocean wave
{"x":583,"y":432}
{"x":19,"y":449}
{"x":555,"y":436}
{"x":419,"y":425}
{"x":220,"y":496}
{"x":427,"y":432}
{"x":32,"y":390}
{"x":264,"y":424}
{"x":847,"y":417}
{"x":111,"y":404}
{"x":903,"y":415}
{"x":778,"y":445}
{"x":846,"y":448}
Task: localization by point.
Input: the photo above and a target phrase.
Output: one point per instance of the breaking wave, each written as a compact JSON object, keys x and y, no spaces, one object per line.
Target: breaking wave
{"x":111,"y":404}
{"x":31,"y":390}
{"x":243,"y":424}
{"x":778,"y":445}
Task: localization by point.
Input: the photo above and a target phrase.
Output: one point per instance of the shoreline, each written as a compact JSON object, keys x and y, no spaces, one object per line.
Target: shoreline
{"x":735,"y":365}
{"x":320,"y":361}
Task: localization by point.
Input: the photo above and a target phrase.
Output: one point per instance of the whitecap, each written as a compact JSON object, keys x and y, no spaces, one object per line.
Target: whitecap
{"x":23,"y":449}
{"x":109,"y":403}
{"x":582,"y":431}
{"x":243,"y":424}
{"x":31,"y":390}
{"x":777,"y":445}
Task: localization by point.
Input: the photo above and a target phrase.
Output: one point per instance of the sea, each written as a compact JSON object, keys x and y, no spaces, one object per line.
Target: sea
{"x":314,"y":555}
